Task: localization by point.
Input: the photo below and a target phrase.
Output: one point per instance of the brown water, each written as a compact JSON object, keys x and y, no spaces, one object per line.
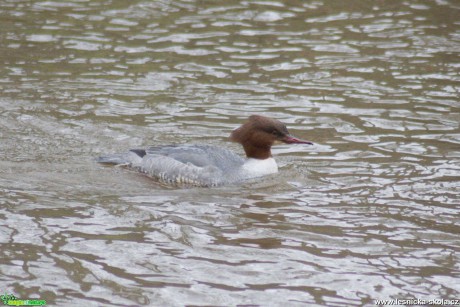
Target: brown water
{"x":372,"y":211}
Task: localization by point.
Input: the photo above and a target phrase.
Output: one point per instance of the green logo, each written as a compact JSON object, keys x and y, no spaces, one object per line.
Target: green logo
{"x":11,"y":300}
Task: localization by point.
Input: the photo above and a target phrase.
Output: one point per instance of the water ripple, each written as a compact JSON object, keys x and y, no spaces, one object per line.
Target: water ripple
{"x":368,"y":212}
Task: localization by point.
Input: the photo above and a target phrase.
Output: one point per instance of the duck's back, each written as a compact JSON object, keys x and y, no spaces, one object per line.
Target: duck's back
{"x":200,"y":165}
{"x":199,"y":155}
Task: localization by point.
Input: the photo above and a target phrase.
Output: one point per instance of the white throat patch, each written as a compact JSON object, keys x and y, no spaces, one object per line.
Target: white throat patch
{"x":259,"y":167}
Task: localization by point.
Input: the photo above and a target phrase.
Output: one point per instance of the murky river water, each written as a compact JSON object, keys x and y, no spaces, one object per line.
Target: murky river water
{"x":372,"y":211}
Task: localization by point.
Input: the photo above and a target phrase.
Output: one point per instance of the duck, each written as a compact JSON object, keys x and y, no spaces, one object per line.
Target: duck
{"x":207,"y":165}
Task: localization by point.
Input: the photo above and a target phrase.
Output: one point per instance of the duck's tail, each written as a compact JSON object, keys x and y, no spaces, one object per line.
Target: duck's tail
{"x":131,"y":158}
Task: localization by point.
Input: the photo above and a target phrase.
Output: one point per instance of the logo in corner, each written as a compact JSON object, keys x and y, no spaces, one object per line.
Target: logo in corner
{"x":11,"y":300}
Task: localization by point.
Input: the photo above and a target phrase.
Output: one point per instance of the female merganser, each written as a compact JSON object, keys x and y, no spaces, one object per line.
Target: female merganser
{"x":205,"y":165}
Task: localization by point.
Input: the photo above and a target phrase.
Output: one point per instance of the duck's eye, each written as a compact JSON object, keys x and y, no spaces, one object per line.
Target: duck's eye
{"x":275,"y":133}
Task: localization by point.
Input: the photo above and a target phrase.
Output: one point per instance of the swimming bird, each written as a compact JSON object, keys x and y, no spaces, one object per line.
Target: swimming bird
{"x":206,"y":165}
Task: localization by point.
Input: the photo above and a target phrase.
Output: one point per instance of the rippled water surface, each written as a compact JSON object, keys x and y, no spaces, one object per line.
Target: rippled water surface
{"x":371,"y":211}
